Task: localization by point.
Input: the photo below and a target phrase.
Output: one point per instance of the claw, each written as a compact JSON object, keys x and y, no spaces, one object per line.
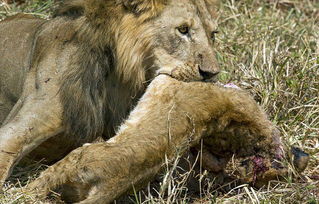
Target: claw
{"x":300,"y":159}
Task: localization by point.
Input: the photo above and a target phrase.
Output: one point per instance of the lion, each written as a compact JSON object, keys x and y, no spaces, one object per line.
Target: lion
{"x":171,"y":117}
{"x":73,"y":79}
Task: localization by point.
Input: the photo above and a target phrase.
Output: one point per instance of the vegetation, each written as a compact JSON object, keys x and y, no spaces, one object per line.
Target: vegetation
{"x":271,"y":48}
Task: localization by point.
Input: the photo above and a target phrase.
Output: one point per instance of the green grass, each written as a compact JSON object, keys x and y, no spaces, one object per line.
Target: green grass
{"x":38,"y":8}
{"x":270,"y":48}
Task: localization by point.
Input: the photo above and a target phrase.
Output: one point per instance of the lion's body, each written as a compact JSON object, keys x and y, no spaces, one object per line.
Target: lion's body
{"x":15,"y":63}
{"x":45,"y":49}
{"x":74,"y":78}
{"x":35,"y":59}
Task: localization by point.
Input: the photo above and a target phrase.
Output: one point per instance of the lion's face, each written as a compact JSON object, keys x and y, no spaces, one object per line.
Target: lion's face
{"x":185,"y":38}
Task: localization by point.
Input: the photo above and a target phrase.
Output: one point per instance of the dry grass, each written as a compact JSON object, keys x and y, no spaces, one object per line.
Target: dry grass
{"x":271,"y":48}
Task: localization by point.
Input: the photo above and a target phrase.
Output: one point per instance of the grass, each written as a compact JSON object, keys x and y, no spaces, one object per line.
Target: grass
{"x":271,"y":48}
{"x":38,"y":8}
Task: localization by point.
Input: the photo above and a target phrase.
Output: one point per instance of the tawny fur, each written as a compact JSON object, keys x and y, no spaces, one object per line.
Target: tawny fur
{"x":171,"y":117}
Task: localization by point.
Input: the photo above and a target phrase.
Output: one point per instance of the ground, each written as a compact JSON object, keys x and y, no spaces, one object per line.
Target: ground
{"x":271,"y":48}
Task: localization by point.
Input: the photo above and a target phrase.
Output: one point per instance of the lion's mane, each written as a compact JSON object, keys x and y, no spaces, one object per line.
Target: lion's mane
{"x":115,"y":39}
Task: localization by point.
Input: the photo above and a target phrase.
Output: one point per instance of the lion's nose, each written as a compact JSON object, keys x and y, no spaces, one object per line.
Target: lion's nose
{"x":208,"y":74}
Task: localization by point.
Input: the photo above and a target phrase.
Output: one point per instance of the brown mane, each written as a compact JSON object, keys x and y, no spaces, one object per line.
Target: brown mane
{"x":114,"y":38}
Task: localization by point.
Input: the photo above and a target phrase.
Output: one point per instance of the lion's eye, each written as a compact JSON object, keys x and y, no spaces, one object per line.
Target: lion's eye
{"x":213,"y":35}
{"x":183,"y":30}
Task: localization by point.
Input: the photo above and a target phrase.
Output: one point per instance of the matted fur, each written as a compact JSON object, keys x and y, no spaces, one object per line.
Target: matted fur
{"x":170,"y":117}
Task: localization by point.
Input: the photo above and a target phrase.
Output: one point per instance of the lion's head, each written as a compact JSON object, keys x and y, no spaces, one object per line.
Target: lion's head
{"x":185,"y":33}
{"x":181,"y":35}
{"x":123,"y":45}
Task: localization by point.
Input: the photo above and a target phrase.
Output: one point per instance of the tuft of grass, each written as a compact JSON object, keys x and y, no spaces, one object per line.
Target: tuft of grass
{"x":270,"y":48}
{"x":38,"y":8}
{"x":22,"y":174}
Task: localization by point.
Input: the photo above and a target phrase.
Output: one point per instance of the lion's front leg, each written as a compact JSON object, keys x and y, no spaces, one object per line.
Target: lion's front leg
{"x":37,"y":120}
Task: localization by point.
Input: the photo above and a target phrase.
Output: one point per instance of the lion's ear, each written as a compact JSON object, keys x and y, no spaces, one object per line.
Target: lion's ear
{"x":212,"y":6}
{"x":147,"y":7}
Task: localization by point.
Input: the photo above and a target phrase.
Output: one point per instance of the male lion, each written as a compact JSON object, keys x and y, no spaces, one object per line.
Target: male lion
{"x":72,"y":79}
{"x":170,"y":117}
